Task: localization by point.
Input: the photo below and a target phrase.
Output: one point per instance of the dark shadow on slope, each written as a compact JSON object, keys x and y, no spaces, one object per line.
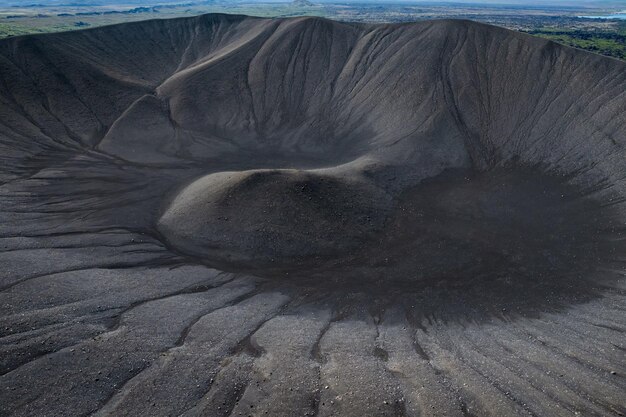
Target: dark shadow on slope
{"x":470,"y":245}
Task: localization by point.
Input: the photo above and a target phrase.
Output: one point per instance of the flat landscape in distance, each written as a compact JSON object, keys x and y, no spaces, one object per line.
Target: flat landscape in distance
{"x":568,"y":23}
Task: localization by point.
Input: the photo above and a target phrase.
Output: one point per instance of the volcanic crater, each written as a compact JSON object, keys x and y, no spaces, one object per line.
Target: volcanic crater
{"x":226,"y":214}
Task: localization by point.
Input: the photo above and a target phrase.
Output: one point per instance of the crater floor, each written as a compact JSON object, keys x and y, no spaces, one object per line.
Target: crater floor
{"x":225,"y":215}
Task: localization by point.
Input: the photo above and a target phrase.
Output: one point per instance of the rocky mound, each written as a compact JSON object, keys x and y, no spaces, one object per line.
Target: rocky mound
{"x":258,"y":217}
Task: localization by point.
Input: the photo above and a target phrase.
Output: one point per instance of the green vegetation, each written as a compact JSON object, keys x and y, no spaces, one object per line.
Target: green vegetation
{"x":611,"y":43}
{"x":9,"y":29}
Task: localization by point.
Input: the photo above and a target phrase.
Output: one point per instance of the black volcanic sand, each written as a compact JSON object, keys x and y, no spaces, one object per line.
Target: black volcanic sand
{"x":463,"y":229}
{"x":225,"y":215}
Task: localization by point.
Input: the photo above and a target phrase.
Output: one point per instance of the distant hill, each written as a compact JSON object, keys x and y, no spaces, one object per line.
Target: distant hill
{"x":302,"y":3}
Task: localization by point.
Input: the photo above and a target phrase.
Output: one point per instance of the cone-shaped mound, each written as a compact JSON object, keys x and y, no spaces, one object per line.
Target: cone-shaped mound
{"x":262,"y":217}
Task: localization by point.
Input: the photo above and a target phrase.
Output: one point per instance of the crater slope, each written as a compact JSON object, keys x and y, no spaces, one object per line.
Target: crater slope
{"x":226,"y":215}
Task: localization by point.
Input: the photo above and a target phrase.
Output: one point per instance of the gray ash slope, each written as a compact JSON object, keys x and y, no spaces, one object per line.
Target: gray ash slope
{"x":226,"y":215}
